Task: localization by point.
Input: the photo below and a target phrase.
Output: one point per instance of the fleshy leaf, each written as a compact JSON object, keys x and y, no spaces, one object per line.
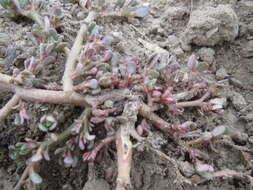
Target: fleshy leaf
{"x":206,"y":175}
{"x":5,"y":3}
{"x":36,"y":157}
{"x":23,"y":3}
{"x":141,"y":12}
{"x":218,"y":131}
{"x":93,"y":83}
{"x":119,"y":3}
{"x":35,"y":178}
{"x":154,"y":74}
{"x":101,"y":3}
{"x":161,"y":66}
{"x":207,"y":136}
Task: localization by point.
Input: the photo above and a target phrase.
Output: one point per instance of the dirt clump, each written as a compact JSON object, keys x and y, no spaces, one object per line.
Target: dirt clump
{"x":209,"y":26}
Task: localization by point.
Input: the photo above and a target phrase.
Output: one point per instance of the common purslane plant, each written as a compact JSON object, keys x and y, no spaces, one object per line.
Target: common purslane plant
{"x":115,"y":89}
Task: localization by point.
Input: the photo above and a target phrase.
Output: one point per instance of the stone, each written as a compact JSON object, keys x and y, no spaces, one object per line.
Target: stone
{"x":81,"y":15}
{"x":221,"y":74}
{"x":187,"y":169}
{"x":236,"y":82}
{"x":248,"y":50}
{"x":67,"y":187}
{"x":248,"y":117}
{"x":98,"y":184}
{"x":175,"y":13}
{"x":240,"y":138}
{"x":172,"y":41}
{"x":238,"y":101}
{"x":250,"y":139}
{"x":206,"y":54}
{"x":210,"y":26}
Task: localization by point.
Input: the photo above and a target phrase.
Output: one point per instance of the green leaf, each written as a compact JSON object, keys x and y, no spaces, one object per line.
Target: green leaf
{"x":114,"y":59}
{"x":23,"y":3}
{"x":5,"y":3}
{"x":101,"y":3}
{"x":128,"y":12}
{"x":91,"y":27}
{"x":58,"y":13}
{"x":47,"y":124}
{"x":154,"y":74}
{"x":161,"y":66}
{"x":105,"y":67}
{"x":206,"y":175}
{"x":14,"y":155}
{"x":54,"y":37}
{"x":24,"y":149}
{"x":36,"y":28}
{"x":119,"y":3}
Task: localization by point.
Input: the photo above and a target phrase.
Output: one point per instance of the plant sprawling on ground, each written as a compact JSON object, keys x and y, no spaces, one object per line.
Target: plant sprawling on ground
{"x":117,"y":91}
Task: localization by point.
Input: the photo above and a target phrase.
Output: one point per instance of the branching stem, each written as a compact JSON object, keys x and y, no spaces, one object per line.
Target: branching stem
{"x":71,"y":60}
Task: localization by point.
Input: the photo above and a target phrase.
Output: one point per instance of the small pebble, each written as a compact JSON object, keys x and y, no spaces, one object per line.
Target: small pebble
{"x":81,"y":15}
{"x":187,"y":169}
{"x":238,"y":101}
{"x":221,"y":74}
{"x":250,"y":140}
{"x":240,"y":138}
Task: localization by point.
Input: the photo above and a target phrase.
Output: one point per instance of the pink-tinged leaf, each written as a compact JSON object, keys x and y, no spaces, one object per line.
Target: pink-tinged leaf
{"x":169,"y":101}
{"x":143,"y":127}
{"x":97,"y":120}
{"x":23,"y":113}
{"x":185,"y":126}
{"x":86,"y":156}
{"x":99,"y":113}
{"x":173,"y":67}
{"x":108,"y":55}
{"x":156,"y":93}
{"x":167,"y":92}
{"x":58,"y":150}
{"x":77,"y":127}
{"x":107,"y":40}
{"x":204,"y":168}
{"x":192,"y":61}
{"x":203,"y":84}
{"x":140,"y":130}
{"x":68,"y":160}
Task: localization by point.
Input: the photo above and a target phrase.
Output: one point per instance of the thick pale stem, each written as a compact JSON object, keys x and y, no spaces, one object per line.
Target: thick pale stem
{"x":124,"y":154}
{"x":124,"y":145}
{"x":71,"y":60}
{"x":60,"y":97}
{"x":197,"y":103}
{"x":8,"y":107}
{"x":158,"y":122}
{"x":5,"y":79}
